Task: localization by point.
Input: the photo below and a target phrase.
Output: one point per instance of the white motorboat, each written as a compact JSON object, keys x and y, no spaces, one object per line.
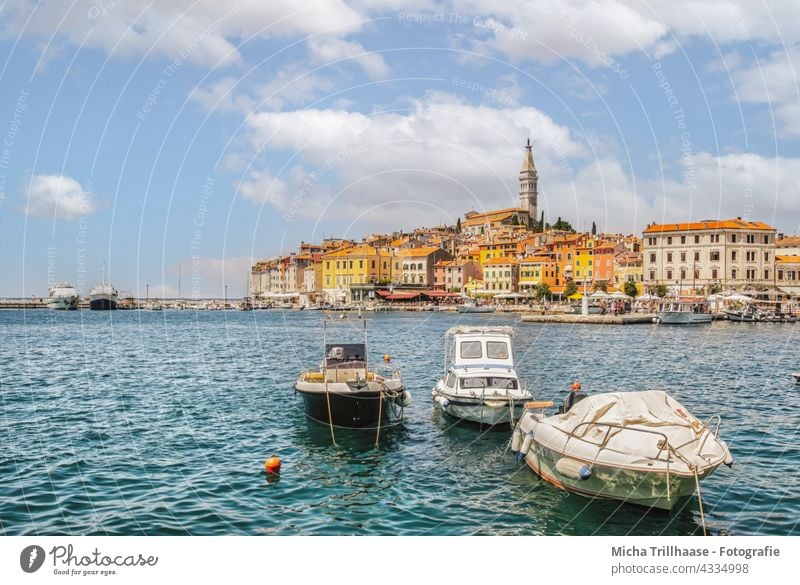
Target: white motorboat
{"x":63,"y":297}
{"x":480,"y":382}
{"x":684,"y":312}
{"x":345,"y":392}
{"x":470,"y":307}
{"x":639,"y":447}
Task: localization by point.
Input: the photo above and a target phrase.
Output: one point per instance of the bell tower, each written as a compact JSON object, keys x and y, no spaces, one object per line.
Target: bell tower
{"x":528,"y":185}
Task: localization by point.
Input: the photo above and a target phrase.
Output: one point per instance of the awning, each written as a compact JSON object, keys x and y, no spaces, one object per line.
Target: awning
{"x":382,"y":292}
{"x":402,"y":296}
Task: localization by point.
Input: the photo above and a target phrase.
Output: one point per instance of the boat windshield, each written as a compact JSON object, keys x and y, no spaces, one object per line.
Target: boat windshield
{"x":471,"y":349}
{"x":489,"y":382}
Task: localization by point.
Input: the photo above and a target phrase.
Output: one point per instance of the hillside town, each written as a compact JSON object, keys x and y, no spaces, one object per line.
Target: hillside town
{"x":512,"y":256}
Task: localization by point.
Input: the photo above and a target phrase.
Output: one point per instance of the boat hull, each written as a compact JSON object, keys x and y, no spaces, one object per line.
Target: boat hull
{"x":643,"y":488}
{"x":485,"y":411}
{"x":63,"y":304}
{"x":103,"y":304}
{"x":350,"y":407}
{"x":684,"y":318}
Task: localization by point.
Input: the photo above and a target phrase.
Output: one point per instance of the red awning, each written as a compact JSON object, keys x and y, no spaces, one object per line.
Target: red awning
{"x":383,"y":293}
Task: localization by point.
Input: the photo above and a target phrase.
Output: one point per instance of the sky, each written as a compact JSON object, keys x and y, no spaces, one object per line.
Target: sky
{"x":171,"y":144}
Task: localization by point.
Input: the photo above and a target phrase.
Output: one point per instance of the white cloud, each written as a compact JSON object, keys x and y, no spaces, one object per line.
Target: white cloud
{"x":325,"y":49}
{"x":774,"y":81}
{"x":58,"y":197}
{"x":207,"y":29}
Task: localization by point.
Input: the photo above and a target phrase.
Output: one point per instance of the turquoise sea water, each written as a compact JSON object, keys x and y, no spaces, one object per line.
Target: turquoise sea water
{"x":159,"y":423}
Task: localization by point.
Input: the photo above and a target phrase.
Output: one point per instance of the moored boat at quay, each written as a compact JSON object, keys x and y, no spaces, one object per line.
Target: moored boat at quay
{"x":103,"y":297}
{"x":62,"y":297}
{"x":684,"y":312}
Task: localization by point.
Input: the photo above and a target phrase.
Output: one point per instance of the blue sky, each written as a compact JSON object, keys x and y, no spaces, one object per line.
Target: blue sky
{"x":149,"y":136}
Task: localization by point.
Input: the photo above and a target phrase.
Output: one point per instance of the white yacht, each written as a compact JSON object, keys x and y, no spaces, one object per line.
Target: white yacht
{"x":480,"y":383}
{"x":684,"y":312}
{"x":62,"y":296}
{"x":103,"y":297}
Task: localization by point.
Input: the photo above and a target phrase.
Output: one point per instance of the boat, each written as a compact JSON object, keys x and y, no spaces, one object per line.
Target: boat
{"x":746,"y":315}
{"x":63,"y":297}
{"x":684,"y":312}
{"x":154,"y":305}
{"x":345,"y":392}
{"x":246,"y":304}
{"x":103,"y":297}
{"x":480,"y":383}
{"x":471,"y":307}
{"x":638,"y":447}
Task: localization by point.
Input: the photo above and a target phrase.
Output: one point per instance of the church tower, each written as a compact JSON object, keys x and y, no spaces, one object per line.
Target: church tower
{"x":529,"y":185}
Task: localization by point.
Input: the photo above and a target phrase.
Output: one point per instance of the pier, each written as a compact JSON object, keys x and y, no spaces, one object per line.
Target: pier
{"x":627,"y":319}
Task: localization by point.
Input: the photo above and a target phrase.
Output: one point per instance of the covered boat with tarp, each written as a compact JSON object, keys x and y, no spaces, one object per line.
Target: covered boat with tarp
{"x":639,"y":447}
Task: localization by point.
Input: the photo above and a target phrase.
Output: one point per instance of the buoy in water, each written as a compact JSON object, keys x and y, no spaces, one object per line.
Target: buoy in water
{"x":387,"y":358}
{"x":272,"y":465}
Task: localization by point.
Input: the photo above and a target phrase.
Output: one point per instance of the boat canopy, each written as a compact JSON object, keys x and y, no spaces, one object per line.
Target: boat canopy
{"x":480,"y":347}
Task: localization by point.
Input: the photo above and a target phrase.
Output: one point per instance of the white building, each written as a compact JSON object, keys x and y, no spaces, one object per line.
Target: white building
{"x":734,"y":254}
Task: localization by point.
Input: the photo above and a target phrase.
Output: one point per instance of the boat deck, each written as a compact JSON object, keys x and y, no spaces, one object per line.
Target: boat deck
{"x":630,"y":319}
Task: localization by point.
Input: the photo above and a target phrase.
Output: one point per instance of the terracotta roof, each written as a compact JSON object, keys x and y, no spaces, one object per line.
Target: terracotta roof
{"x":360,"y":250}
{"x":536,"y":259}
{"x":712,"y":224}
{"x":494,"y":261}
{"x":788,"y":242}
{"x":427,"y":251}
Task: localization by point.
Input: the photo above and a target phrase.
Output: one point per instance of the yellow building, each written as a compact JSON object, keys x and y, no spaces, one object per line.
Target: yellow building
{"x":536,"y":270}
{"x":356,"y":265}
{"x":501,"y":274}
{"x":498,"y":248}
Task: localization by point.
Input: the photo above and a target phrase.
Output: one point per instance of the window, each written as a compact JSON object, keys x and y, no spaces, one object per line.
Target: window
{"x":683,"y":239}
{"x":751,"y":256}
{"x":697,"y":239}
{"x":669,"y":274}
{"x":683,"y":274}
{"x":733,"y":255}
{"x":652,"y":257}
{"x":751,"y":274}
{"x":714,"y":273}
{"x":766,"y":239}
{"x":683,"y":256}
{"x":669,"y":256}
{"x":733,"y":238}
{"x":733,"y":273}
{"x":328,"y":265}
{"x":361,"y":264}
{"x":451,"y":380}
{"x":669,"y":240}
{"x":766,"y":274}
{"x":696,"y":273}
{"x":652,"y":275}
{"x":351,"y":264}
{"x":327,"y":280}
{"x":766,"y":256}
{"x":697,"y":256}
{"x":577,"y":262}
{"x":488,"y":382}
{"x":497,"y":350}
{"x":373,"y":264}
{"x":780,"y":274}
{"x":715,"y":238}
{"x":751,"y":238}
{"x":337,"y":265}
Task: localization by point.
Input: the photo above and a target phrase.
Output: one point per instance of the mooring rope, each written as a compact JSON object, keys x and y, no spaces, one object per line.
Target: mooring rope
{"x":330,"y":417}
{"x":700,"y":501}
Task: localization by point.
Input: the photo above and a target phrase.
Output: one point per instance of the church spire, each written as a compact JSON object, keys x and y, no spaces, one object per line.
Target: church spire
{"x":528,"y":185}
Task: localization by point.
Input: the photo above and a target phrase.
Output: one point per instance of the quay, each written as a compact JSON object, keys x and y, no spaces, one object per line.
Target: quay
{"x":628,"y":319}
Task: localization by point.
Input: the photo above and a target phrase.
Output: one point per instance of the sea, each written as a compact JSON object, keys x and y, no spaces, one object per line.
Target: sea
{"x":159,"y":423}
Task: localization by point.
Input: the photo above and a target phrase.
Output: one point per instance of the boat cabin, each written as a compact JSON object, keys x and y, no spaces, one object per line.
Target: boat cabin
{"x":479,"y":347}
{"x":345,"y":361}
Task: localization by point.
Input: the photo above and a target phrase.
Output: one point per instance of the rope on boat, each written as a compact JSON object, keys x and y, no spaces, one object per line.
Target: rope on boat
{"x":700,"y":501}
{"x":380,"y":414}
{"x":330,"y":417}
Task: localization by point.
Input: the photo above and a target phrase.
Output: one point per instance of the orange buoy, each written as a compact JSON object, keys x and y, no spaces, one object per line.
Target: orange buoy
{"x":576,"y":386}
{"x":387,"y":358}
{"x":273,"y":464}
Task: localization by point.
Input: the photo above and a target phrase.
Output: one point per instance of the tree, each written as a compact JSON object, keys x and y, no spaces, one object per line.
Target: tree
{"x":563,"y":226}
{"x":714,"y":288}
{"x":630,"y":288}
{"x":458,"y":225}
{"x":594,"y":229}
{"x":542,"y":290}
{"x":661,"y":290}
{"x":515,"y":219}
{"x":571,"y":288}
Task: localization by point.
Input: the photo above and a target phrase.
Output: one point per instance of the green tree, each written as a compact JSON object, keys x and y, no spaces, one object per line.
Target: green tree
{"x":458,"y":225}
{"x":594,"y":229}
{"x":714,"y":288}
{"x":515,"y":219}
{"x":661,"y":290}
{"x":542,"y":290}
{"x":563,"y":226}
{"x":571,"y":288}
{"x":630,"y":288}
